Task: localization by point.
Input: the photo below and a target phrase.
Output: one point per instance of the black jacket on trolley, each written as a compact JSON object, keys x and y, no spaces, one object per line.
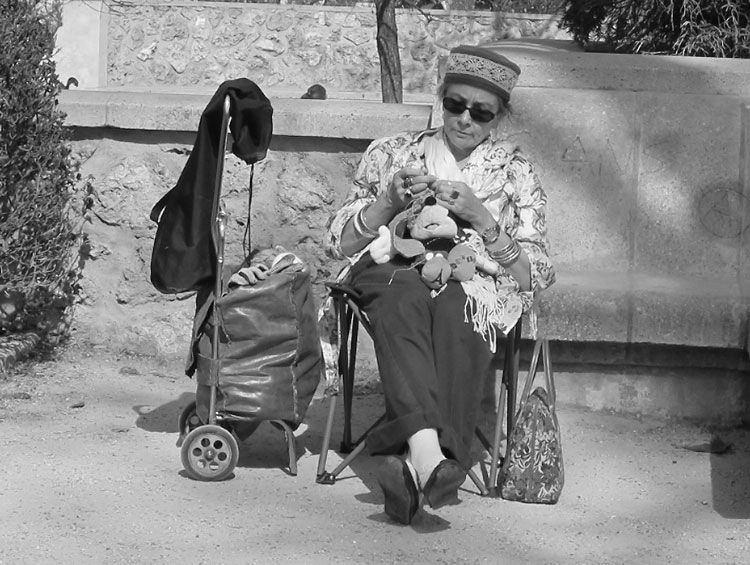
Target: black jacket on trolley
{"x":183,"y":257}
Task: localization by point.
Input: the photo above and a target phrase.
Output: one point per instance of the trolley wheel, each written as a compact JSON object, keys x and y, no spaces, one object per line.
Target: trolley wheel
{"x":188,"y":420}
{"x":209,"y":453}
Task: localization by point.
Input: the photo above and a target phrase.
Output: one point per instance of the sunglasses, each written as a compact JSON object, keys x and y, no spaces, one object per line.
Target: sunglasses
{"x":458,"y":107}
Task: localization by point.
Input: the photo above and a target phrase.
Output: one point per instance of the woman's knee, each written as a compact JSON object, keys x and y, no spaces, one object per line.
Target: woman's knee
{"x":393,"y":292}
{"x":403,"y":304}
{"x":450,"y":304}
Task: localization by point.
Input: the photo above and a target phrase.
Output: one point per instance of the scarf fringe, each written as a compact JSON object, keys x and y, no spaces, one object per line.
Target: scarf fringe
{"x":483,"y":309}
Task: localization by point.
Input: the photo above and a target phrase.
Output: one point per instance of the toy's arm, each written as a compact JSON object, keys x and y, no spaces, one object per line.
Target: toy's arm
{"x":381,"y":249}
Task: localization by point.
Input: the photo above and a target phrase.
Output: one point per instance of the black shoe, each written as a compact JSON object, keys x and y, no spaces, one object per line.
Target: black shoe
{"x":399,"y":488}
{"x":442,"y":486}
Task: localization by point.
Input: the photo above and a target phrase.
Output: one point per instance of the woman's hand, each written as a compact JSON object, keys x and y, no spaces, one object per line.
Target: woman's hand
{"x":406,"y":184}
{"x":457,"y":197}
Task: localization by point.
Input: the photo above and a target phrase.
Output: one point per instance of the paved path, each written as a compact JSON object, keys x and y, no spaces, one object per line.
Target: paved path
{"x":91,"y":474}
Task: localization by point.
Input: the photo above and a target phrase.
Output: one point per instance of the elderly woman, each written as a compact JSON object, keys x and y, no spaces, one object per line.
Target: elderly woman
{"x":434,"y":344}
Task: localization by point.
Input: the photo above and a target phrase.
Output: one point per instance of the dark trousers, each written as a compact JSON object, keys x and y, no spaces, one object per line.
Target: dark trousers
{"x":432,"y":363}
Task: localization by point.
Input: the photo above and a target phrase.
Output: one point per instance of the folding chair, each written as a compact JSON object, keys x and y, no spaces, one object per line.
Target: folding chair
{"x":350,"y":317}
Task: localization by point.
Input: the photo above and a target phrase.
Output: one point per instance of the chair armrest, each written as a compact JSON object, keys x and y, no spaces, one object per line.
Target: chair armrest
{"x":342,"y":289}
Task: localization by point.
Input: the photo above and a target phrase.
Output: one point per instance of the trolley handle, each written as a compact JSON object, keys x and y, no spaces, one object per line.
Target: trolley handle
{"x":218,"y":227}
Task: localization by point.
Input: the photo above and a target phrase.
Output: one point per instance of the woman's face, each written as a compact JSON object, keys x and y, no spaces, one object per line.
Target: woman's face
{"x":462,"y":131}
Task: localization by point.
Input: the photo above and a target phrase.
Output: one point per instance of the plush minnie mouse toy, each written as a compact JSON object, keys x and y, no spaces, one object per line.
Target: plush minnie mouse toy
{"x":428,"y":234}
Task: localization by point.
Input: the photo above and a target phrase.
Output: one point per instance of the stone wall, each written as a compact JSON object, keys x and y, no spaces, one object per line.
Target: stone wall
{"x":645,"y":160}
{"x":293,"y":193}
{"x":153,"y":43}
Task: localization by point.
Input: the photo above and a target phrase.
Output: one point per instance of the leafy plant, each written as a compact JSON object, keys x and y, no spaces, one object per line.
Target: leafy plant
{"x":39,"y":239}
{"x":711,"y":28}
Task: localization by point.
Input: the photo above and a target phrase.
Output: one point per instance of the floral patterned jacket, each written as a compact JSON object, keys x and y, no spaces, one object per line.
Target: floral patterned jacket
{"x":502,"y":178}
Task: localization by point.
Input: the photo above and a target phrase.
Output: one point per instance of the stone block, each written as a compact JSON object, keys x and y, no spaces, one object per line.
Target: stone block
{"x":690,"y":207}
{"x":156,"y":111}
{"x":744,"y":185}
{"x":85,"y":109}
{"x":716,"y":396}
{"x":690,"y":312}
{"x":358,"y":119}
{"x":583,"y":307}
{"x":583,"y":145}
{"x":172,"y":111}
{"x":562,"y":64}
{"x":639,"y":308}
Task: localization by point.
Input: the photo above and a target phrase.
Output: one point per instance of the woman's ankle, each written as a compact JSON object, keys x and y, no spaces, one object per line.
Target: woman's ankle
{"x":424,"y":453}
{"x":424,"y":466}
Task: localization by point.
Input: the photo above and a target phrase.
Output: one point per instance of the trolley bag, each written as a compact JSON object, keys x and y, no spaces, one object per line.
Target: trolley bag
{"x":533,"y":469}
{"x":270,"y":360}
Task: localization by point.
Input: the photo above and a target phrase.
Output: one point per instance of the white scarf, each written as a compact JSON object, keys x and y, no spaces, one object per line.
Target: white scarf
{"x":483,"y":307}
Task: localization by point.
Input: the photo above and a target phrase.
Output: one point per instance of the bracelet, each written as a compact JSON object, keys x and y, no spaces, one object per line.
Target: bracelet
{"x":491,"y":234}
{"x":507,"y":255}
{"x":361,"y":227}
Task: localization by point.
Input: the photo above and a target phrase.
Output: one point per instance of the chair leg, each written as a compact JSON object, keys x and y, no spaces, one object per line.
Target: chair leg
{"x":330,"y":478}
{"x":357,"y":448}
{"x":349,"y":324}
{"x":483,"y":439}
{"x":349,"y":351}
{"x":512,"y":382}
{"x":345,"y":367}
{"x":478,"y":482}
{"x":497,"y":437}
{"x":505,"y":403}
{"x":320,"y":477}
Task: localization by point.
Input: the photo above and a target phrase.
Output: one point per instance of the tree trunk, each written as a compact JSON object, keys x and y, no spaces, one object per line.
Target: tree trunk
{"x":390,"y":60}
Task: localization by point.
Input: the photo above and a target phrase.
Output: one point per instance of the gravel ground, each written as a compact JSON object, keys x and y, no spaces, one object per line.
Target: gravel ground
{"x":92,"y":474}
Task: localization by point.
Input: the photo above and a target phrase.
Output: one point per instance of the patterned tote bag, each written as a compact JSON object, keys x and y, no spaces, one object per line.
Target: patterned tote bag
{"x":533,"y":469}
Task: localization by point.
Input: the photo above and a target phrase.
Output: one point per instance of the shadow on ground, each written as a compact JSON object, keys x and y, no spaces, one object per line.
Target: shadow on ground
{"x":162,"y":419}
{"x":365,"y":411}
{"x":263,"y":448}
{"x":730,"y":476}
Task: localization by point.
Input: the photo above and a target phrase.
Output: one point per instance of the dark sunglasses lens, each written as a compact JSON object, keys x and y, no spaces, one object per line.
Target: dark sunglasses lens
{"x":482,"y":116}
{"x":477,"y":114}
{"x":454,"y":106}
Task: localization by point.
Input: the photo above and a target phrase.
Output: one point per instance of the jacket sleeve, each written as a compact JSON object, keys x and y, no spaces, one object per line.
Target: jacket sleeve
{"x":530,"y":226}
{"x":370,"y":179}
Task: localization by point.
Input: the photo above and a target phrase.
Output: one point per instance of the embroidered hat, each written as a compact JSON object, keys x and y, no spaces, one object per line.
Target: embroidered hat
{"x":482,"y":67}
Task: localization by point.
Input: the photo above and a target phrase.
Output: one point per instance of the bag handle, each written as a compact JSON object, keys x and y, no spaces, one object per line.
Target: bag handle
{"x":541,"y":349}
{"x":158,"y":208}
{"x":547,"y":365}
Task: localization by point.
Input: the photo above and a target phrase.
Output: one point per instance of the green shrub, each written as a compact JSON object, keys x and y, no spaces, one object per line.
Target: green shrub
{"x":38,"y":235}
{"x":709,"y":28}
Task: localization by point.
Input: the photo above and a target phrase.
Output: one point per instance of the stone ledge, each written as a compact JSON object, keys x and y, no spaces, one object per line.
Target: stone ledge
{"x":562,"y":64}
{"x":595,"y":355}
{"x":684,"y":309}
{"x":629,"y":308}
{"x":171,"y":111}
{"x":546,"y":64}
